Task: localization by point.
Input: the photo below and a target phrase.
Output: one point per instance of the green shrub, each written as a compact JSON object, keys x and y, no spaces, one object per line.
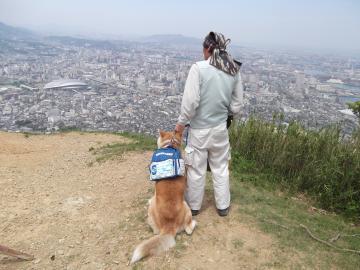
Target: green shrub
{"x":320,"y":163}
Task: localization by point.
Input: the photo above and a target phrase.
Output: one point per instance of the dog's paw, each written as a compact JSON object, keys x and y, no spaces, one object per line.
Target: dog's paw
{"x":193,"y":224}
{"x":190,"y":228}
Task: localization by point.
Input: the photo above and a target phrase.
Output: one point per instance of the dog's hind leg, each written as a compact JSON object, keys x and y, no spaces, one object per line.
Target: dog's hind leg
{"x":151,"y":220}
{"x":189,"y":228}
{"x":153,"y":225}
{"x":189,"y":222}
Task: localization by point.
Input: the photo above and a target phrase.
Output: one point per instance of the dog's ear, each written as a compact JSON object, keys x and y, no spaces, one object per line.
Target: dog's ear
{"x":178,"y":134}
{"x":162,"y":133}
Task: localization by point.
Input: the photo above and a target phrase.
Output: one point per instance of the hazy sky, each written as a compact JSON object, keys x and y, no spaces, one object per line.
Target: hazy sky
{"x":328,"y":24}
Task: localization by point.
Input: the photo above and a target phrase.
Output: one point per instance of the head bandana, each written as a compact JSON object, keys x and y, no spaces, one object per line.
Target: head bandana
{"x":220,"y":58}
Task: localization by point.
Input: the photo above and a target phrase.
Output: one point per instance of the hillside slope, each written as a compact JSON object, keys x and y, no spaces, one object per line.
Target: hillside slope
{"x":72,"y":212}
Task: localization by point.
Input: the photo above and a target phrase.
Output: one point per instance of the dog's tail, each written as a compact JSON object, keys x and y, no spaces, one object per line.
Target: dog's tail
{"x":153,"y":246}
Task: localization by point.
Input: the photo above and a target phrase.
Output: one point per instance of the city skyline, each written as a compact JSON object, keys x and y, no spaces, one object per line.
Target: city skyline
{"x":321,"y":25}
{"x":54,"y":83}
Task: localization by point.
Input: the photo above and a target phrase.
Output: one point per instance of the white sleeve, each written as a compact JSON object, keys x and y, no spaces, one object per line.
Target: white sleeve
{"x":191,"y":97}
{"x":237,"y":97}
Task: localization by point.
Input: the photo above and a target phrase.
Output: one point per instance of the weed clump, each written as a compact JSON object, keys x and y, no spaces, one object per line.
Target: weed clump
{"x":320,"y":163}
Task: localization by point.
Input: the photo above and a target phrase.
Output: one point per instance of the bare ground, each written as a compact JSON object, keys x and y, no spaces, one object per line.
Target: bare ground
{"x":71,"y":212}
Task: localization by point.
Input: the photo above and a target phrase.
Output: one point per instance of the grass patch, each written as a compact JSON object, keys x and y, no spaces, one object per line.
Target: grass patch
{"x":180,"y":246}
{"x":323,"y":164}
{"x":138,"y":142}
{"x":29,"y":134}
{"x":237,"y":243}
{"x":280,"y":214}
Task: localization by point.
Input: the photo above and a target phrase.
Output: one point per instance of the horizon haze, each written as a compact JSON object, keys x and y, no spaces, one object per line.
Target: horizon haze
{"x":322,"y":25}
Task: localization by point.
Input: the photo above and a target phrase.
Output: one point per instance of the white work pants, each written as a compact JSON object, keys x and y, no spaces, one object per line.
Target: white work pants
{"x":208,"y":144}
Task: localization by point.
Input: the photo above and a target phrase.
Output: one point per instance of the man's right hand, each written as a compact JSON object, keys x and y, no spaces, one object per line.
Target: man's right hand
{"x":179,"y":128}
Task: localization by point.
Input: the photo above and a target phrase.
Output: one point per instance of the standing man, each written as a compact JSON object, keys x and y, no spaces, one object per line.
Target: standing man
{"x":213,"y":90}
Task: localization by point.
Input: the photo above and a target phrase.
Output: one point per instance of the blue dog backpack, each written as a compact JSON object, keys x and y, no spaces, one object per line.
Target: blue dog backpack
{"x":166,"y":163}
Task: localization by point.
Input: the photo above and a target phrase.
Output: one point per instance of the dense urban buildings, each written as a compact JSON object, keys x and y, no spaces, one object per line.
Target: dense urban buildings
{"x":58,"y":82}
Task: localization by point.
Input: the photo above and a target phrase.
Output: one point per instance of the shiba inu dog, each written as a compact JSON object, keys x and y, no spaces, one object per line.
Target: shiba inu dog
{"x":168,"y":213}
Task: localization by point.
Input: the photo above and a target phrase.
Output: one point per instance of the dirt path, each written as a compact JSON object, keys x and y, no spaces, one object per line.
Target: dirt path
{"x":71,"y":215}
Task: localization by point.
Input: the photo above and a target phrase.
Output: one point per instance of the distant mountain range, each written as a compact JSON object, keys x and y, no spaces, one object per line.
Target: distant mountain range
{"x":173,"y":39}
{"x":17,"y":33}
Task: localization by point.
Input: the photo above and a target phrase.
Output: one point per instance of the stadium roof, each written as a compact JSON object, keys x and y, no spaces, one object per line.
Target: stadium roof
{"x":65,"y":84}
